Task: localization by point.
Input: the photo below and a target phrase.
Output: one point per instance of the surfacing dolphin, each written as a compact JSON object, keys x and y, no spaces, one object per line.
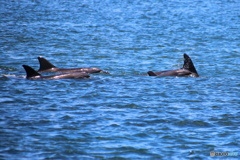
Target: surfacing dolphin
{"x":188,"y":70}
{"x":46,"y":66}
{"x":32,"y":74}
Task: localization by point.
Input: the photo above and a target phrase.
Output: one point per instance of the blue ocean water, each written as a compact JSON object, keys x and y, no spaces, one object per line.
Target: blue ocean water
{"x":123,"y":115}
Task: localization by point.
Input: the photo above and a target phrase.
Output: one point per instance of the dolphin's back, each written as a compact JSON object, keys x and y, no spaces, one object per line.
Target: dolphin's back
{"x":46,"y":66}
{"x":188,"y":70}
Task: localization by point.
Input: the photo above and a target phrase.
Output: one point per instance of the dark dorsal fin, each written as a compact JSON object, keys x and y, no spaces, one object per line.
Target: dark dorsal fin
{"x":30,"y":72}
{"x":45,"y":64}
{"x":188,"y":64}
{"x":151,"y":73}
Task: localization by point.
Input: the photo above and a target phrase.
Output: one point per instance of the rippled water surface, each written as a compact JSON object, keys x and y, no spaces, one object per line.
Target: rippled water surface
{"x":125,"y":114}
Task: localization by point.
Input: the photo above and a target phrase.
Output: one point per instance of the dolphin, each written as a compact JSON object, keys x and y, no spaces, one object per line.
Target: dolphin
{"x":32,"y":74}
{"x":188,"y":70}
{"x":46,"y":66}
